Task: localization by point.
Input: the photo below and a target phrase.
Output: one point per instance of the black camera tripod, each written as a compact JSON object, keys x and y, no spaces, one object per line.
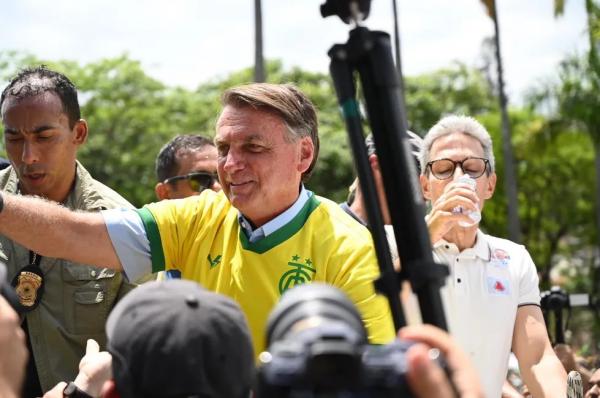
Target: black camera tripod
{"x":368,"y":54}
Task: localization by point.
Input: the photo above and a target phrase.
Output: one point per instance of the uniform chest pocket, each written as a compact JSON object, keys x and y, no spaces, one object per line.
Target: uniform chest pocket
{"x":88,"y":296}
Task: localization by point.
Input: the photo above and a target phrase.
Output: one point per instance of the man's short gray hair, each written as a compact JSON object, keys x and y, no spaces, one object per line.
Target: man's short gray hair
{"x":457,"y":124}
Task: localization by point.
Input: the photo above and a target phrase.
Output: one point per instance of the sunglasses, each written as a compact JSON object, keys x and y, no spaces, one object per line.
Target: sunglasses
{"x":199,"y":181}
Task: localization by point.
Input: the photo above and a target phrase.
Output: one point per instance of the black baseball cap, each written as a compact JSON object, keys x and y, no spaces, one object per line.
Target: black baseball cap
{"x":174,"y":338}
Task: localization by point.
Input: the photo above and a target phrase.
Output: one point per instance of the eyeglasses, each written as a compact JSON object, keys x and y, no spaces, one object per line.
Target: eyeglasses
{"x":443,"y":169}
{"x":199,"y":181}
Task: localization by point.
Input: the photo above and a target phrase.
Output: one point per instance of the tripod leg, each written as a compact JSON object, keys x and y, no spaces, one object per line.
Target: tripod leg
{"x":342,"y":75}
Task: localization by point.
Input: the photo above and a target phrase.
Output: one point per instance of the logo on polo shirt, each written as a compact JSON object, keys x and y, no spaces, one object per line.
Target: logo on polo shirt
{"x":500,"y":258}
{"x":298,"y":275}
{"x":498,"y":286}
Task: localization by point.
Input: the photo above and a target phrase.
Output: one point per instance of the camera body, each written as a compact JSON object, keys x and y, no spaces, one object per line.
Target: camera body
{"x":332,"y":369}
{"x":554,"y":302}
{"x":554,"y":299}
{"x":318,"y":347}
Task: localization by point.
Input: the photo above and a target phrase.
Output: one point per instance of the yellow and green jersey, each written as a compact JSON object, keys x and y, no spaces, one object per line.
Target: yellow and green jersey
{"x":201,"y":238}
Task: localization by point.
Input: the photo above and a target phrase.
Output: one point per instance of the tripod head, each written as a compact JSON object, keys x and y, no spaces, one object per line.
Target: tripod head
{"x":347,"y":10}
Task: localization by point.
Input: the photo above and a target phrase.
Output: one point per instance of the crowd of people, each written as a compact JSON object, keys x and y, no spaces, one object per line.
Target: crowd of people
{"x":235,"y":217}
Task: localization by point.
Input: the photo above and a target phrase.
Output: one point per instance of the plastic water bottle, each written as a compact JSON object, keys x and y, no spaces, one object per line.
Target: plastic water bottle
{"x":473,"y":215}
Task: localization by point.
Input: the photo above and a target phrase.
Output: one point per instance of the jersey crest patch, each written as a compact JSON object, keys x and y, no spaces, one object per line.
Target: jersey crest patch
{"x":300,"y":273}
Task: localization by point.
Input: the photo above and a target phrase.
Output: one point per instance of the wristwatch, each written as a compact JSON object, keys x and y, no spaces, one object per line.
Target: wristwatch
{"x":72,"y":391}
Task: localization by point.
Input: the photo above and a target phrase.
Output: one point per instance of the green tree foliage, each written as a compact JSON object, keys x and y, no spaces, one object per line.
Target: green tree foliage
{"x":555,"y":197}
{"x":131,"y":115}
{"x":455,"y":89}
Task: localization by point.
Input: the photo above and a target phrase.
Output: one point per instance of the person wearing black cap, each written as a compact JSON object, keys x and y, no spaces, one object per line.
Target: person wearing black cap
{"x":169,"y":339}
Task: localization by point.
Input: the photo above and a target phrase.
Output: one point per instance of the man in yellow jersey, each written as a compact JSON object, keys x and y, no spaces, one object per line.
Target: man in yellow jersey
{"x":263,"y":234}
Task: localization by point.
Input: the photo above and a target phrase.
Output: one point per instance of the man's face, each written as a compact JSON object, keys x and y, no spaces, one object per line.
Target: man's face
{"x":594,"y":391}
{"x":190,"y":161}
{"x":40,"y":144}
{"x":259,"y":170}
{"x":457,"y":147}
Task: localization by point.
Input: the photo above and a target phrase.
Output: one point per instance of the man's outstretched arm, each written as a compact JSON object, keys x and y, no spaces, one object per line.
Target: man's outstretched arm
{"x":55,"y":231}
{"x":542,"y":372}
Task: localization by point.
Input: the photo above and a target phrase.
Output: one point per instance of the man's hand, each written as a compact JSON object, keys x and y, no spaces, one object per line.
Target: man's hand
{"x":13,"y":352}
{"x":94,"y":369}
{"x":57,"y":391}
{"x":426,"y":378}
{"x":442,"y":219}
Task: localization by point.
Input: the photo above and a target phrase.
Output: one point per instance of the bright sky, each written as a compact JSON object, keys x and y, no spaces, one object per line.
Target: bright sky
{"x":186,"y":42}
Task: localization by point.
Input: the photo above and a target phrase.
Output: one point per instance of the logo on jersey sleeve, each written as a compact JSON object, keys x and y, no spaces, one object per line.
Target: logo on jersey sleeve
{"x":300,"y":273}
{"x":498,"y":286}
{"x":215,"y":262}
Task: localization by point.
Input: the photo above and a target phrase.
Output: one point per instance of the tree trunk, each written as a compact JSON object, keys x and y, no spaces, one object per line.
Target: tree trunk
{"x":510,"y":180}
{"x":259,"y":64}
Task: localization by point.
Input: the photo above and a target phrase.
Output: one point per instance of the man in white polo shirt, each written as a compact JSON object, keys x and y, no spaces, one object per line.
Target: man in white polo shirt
{"x":492,"y":295}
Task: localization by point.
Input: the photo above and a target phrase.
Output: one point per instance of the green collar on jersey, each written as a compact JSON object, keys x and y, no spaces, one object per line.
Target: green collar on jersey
{"x":283,"y":233}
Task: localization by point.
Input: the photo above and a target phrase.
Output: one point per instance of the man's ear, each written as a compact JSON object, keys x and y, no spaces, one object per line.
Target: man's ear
{"x":425,"y":186}
{"x":491,"y":186}
{"x":162,"y":191}
{"x":307,"y":153}
{"x":81,"y":132}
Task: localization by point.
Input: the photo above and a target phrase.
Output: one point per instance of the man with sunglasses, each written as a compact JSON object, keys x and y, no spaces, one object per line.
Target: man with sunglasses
{"x":186,"y":166}
{"x":263,"y":234}
{"x":492,"y":297}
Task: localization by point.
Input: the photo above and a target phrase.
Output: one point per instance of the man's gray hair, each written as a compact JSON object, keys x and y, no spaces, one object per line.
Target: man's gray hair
{"x":457,"y":124}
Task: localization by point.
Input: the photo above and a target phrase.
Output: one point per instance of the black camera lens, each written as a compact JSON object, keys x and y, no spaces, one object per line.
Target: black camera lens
{"x":313,"y":301}
{"x":318,"y":347}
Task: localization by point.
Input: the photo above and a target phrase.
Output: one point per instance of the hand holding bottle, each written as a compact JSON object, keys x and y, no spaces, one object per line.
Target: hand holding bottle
{"x":473,"y":215}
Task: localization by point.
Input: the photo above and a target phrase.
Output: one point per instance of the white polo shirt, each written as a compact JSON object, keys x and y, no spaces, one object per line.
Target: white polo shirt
{"x":487,"y":284}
